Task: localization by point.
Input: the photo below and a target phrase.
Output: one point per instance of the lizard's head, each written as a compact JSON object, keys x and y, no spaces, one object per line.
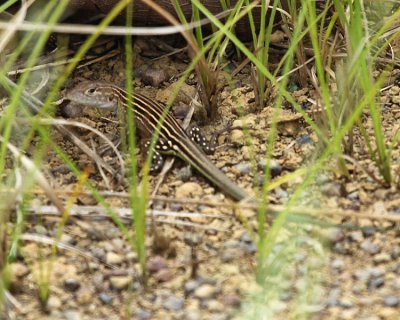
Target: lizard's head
{"x":95,"y":94}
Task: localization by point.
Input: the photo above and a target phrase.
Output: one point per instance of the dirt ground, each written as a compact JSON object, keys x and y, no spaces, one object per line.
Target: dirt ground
{"x":202,"y":264}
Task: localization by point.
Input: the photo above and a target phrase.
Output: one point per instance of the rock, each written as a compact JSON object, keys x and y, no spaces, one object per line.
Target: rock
{"x":205,"y":291}
{"x":72,"y":315}
{"x":72,"y":284}
{"x":142,"y":314}
{"x":232,"y":300}
{"x":346,"y":303}
{"x":366,"y":274}
{"x":396,"y":284}
{"x":229,"y":254}
{"x":185,"y":94}
{"x":332,"y":189}
{"x":334,"y":234}
{"x":215,"y":306}
{"x":334,"y":296}
{"x":114,"y":258}
{"x":370,"y":247}
{"x":368,"y":231}
{"x":304,"y":139}
{"x":246,"y":238}
{"x":395,"y":252}
{"x":337,"y":264}
{"x":192,"y":314}
{"x":18,"y":270}
{"x":164,"y":275}
{"x":154,"y":77}
{"x":53,"y":303}
{"x":382,"y":257}
{"x":189,"y":190}
{"x":191,"y":286}
{"x":375,"y":283}
{"x":192,"y":239}
{"x":132,"y":256}
{"x":248,"y":122}
{"x":120,"y":282}
{"x":281,"y":194}
{"x":237,"y":137}
{"x":84,"y":296}
{"x":356,"y":236}
{"x":156,"y":263}
{"x":275,"y":167}
{"x":184,"y":173}
{"x":244,"y":168}
{"x":391,"y":301}
{"x":174,"y":303}
{"x":105,"y":298}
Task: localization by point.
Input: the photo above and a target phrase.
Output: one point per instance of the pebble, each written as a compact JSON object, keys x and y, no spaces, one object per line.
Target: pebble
{"x":366,"y":274}
{"x":164,"y":275}
{"x":356,"y":236}
{"x":258,"y":180}
{"x":375,"y":283}
{"x":192,"y":314}
{"x":205,"y":291}
{"x":191,"y":286}
{"x":237,"y":137}
{"x":333,"y":297}
{"x":154,"y":77}
{"x":337,"y":264}
{"x":232,"y":300}
{"x":215,"y":306}
{"x":105,"y":298}
{"x":229,"y":254}
{"x":120,"y":282}
{"x":334,"y":234}
{"x":53,"y":303}
{"x":382,"y":257}
{"x":395,"y":252}
{"x":142,"y":314}
{"x":244,"y":168}
{"x":396,"y":284}
{"x":184,"y":173}
{"x":247,"y":122}
{"x":189,"y":190}
{"x":391,"y":301}
{"x":18,"y":270}
{"x":72,"y":284}
{"x":370,"y":247}
{"x":66,"y":238}
{"x":72,"y":315}
{"x":156,"y":263}
{"x":114,"y":258}
{"x":332,"y":189}
{"x":250,"y":248}
{"x":346,"y":303}
{"x":281,"y":194}
{"x":174,"y":303}
{"x":274,"y":167}
{"x":353,"y":196}
{"x":246,"y":238}
{"x":368,"y":231}
{"x":84,"y":296}
{"x":340,"y":248}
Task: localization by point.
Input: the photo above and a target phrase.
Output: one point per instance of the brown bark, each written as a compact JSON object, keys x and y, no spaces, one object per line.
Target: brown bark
{"x":84,"y":10}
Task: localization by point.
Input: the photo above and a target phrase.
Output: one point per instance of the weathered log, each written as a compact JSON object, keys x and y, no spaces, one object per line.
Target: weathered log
{"x":83,"y":10}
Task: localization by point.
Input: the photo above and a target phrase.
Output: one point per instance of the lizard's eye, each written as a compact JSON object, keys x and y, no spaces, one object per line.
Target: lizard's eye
{"x":91,"y":90}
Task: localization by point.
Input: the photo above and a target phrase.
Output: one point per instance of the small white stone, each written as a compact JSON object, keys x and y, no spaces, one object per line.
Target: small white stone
{"x":113,"y":258}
